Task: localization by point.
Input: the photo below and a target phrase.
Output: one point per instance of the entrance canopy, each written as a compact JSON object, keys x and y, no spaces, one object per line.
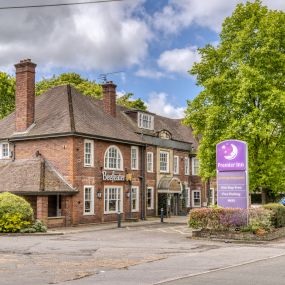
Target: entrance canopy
{"x":169,"y":185}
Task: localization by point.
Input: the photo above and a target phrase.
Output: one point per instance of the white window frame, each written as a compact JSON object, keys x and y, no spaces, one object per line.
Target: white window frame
{"x":119,"y":205}
{"x":176,"y":165}
{"x":193,"y":197}
{"x":145,"y":121}
{"x":91,"y":187}
{"x":149,"y":163}
{"x":167,"y":161}
{"x":152,"y":198}
{"x":91,"y":164}
{"x":186,"y":166}
{"x":188,"y":194}
{"x":1,"y":150}
{"x":134,"y":160}
{"x":194,"y":160}
{"x":107,"y":159}
{"x":137,"y":198}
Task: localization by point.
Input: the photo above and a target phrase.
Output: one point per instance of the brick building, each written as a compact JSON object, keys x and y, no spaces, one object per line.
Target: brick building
{"x":81,"y":160}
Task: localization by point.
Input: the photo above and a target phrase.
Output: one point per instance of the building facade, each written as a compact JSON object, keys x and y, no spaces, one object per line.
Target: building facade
{"x":80,"y":160}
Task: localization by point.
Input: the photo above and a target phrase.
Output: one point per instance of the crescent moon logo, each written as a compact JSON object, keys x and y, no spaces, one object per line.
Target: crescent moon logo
{"x":233,"y":154}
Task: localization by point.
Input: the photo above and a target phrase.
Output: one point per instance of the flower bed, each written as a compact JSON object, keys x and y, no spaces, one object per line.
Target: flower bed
{"x":253,"y":224}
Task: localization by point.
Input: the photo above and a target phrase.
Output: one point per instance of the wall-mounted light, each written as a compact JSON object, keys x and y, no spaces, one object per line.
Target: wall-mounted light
{"x":99,"y":194}
{"x":128,"y":194}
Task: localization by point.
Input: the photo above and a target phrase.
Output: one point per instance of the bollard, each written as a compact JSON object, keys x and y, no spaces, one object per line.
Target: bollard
{"x":119,"y":219}
{"x":161,"y":215}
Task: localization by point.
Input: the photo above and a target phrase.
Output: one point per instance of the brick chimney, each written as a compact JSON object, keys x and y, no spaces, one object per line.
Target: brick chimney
{"x":109,"y":98}
{"x":25,"y":94}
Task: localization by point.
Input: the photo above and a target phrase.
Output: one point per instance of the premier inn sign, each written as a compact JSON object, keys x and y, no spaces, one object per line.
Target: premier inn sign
{"x":112,"y":177}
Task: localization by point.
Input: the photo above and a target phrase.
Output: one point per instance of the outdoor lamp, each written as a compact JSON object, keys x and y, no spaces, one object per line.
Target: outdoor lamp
{"x":99,"y":194}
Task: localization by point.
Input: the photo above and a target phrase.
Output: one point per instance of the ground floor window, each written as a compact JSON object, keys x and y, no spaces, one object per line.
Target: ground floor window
{"x":113,"y":199}
{"x":188,"y":197}
{"x":88,"y":200}
{"x":150,"y":198}
{"x":212,"y":196}
{"x":135,"y":198}
{"x":54,"y":206}
{"x":196,"y":198}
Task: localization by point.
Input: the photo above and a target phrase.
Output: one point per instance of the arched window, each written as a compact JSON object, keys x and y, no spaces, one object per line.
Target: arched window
{"x":113,"y":159}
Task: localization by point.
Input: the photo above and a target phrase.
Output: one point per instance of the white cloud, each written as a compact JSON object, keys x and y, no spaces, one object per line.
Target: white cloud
{"x":179,"y":60}
{"x":149,"y":73}
{"x":102,"y":37}
{"x":158,"y":103}
{"x":180,"y":14}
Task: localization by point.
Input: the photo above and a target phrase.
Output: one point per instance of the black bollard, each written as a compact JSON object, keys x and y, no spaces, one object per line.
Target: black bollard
{"x":119,"y":219}
{"x":161,"y":215}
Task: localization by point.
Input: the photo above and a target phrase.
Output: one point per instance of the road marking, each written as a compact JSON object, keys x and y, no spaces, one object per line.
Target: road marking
{"x":218,"y":269}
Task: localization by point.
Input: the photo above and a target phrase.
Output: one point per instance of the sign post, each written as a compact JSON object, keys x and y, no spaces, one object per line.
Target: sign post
{"x":232,"y":174}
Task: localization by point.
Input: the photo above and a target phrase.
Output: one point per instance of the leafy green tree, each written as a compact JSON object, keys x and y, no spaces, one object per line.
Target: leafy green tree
{"x":85,"y":86}
{"x":126,"y":101}
{"x":243,"y":94}
{"x":7,"y":94}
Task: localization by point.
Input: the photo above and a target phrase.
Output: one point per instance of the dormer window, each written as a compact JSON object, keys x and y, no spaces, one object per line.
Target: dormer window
{"x":4,"y":151}
{"x":145,"y":121}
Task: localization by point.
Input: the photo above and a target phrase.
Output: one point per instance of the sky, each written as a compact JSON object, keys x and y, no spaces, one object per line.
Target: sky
{"x":148,"y":45}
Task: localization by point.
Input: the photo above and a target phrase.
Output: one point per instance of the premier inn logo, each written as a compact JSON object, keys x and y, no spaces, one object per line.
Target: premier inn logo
{"x":113,"y":176}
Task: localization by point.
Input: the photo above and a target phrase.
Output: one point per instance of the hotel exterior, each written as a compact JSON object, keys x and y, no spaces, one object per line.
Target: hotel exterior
{"x":81,"y":160}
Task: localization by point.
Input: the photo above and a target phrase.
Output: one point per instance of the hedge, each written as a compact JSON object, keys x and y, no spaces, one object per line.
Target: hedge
{"x":278,"y":216}
{"x":15,"y":213}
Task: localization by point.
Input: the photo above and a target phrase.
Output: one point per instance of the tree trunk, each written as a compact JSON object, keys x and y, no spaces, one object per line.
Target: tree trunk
{"x":263,"y":196}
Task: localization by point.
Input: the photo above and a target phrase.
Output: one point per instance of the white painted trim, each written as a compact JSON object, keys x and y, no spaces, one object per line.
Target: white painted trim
{"x":192,"y":200}
{"x":137,"y":199}
{"x":152,"y":198}
{"x":1,"y":150}
{"x":168,"y":154}
{"x":151,"y":154}
{"x":122,"y":159}
{"x":137,"y":158}
{"x":121,"y":205}
{"x":186,"y":166}
{"x":91,"y":154}
{"x":91,"y":202}
{"x":176,"y":157}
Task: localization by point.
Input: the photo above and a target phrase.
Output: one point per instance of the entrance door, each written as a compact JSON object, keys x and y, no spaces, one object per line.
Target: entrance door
{"x":174,"y":204}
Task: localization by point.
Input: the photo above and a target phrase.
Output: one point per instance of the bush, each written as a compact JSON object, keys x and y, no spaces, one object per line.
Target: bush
{"x":37,"y":227}
{"x":217,"y":218}
{"x":278,"y":216}
{"x":227,"y":218}
{"x":15,"y":213}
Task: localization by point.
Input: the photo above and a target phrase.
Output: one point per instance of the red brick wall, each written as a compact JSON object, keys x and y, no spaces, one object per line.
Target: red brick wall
{"x":25,"y":95}
{"x":109,"y":98}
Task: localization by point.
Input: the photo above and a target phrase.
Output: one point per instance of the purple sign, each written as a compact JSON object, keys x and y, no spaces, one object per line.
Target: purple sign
{"x":232,"y":175}
{"x":231,"y":155}
{"x":232,"y":189}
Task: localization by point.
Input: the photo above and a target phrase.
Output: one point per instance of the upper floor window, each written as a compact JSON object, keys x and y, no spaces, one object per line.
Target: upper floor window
{"x":164,"y":161}
{"x":4,"y":151}
{"x":134,"y":157}
{"x":88,"y":153}
{"x":176,"y":164}
{"x":113,"y":159}
{"x":195,"y":166}
{"x":187,"y":166}
{"x":145,"y":121}
{"x":149,"y":162}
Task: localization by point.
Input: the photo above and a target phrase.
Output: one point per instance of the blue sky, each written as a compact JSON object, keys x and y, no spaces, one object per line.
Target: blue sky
{"x":154,"y":43}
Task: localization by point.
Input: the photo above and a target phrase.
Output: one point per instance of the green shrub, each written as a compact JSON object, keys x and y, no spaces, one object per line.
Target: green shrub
{"x":278,"y":216}
{"x":15,"y":213}
{"x":37,"y":227}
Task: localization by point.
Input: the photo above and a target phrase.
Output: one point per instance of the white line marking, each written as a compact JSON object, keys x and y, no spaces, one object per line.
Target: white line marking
{"x":219,"y":269}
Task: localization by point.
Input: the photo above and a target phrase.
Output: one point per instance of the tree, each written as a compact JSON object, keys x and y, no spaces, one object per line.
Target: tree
{"x":243,"y":94}
{"x":85,"y":86}
{"x":126,"y":101}
{"x":7,"y":94}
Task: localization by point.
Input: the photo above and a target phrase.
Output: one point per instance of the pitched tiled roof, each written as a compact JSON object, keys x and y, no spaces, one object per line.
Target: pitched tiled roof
{"x":63,"y":110}
{"x":32,"y":176}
